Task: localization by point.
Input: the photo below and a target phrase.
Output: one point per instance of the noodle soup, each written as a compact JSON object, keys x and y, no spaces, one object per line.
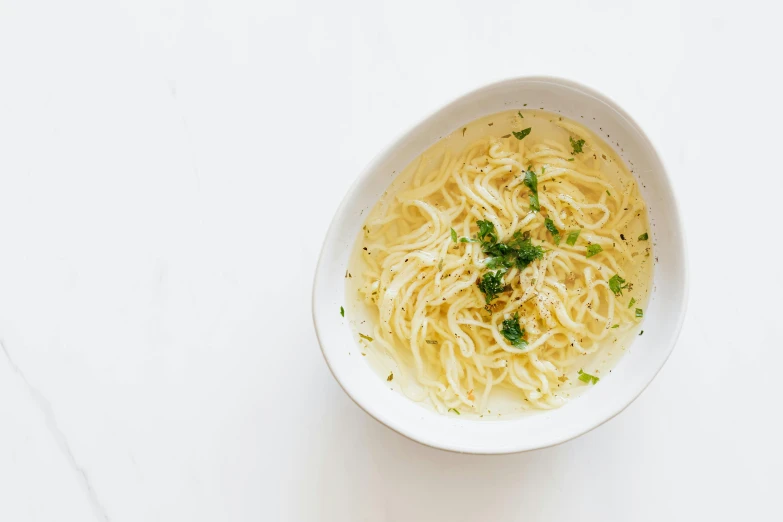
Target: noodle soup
{"x":505,"y":270}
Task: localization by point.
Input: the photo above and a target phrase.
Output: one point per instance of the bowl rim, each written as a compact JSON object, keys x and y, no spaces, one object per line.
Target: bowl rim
{"x":371,"y":166}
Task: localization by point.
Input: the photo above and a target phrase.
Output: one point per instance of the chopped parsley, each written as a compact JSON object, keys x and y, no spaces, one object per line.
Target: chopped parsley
{"x":453,"y":235}
{"x":644,"y":237}
{"x":430,"y":341}
{"x":632,"y":302}
{"x":570,"y":159}
{"x":512,"y":331}
{"x":455,"y":410}
{"x":468,"y":240}
{"x":440,"y":265}
{"x":491,"y":284}
{"x":616,"y":284}
{"x":593,"y":249}
{"x":365,"y":337}
{"x":531,"y":182}
{"x":342,"y":311}
{"x":550,"y":225}
{"x":521,"y":134}
{"x":573,"y":236}
{"x":576,"y":145}
{"x":519,"y":251}
{"x":639,"y":312}
{"x":615,"y":326}
{"x":520,"y":114}
{"x":608,"y":193}
{"x":586,"y":377}
{"x":390,"y":377}
{"x":640,"y":333}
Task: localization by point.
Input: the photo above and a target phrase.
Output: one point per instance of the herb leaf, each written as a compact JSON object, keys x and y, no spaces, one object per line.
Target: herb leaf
{"x":615,"y":326}
{"x":573,"y":236}
{"x":616,"y":284}
{"x":531,"y":182}
{"x":512,"y":331}
{"x":550,"y":225}
{"x":491,"y":284}
{"x":342,"y":311}
{"x":593,"y":249}
{"x":453,"y":235}
{"x":644,"y":237}
{"x":521,"y":134}
{"x":639,"y":312}
{"x":632,"y":302}
{"x":455,"y":410}
{"x":365,"y":337}
{"x":576,"y":145}
{"x":520,"y":114}
{"x":586,"y":377}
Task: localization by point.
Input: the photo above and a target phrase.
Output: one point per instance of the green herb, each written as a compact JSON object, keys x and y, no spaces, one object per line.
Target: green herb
{"x":550,"y":225}
{"x":573,"y":236}
{"x":390,"y":377}
{"x":440,"y":265}
{"x":512,"y":331}
{"x":570,"y":159}
{"x":644,"y":237}
{"x":342,"y":311}
{"x":616,"y":284}
{"x":615,"y":326}
{"x":576,"y":145}
{"x":455,"y":410}
{"x":593,"y":249}
{"x":468,"y":240}
{"x":453,"y":235}
{"x":520,"y":114}
{"x":640,"y":333}
{"x":519,"y":251}
{"x":639,"y":312}
{"x":521,"y":134}
{"x":531,"y":182}
{"x":608,"y":193}
{"x":365,"y":337}
{"x":632,"y":302}
{"x":586,"y":377}
{"x":429,"y":341}
{"x":491,"y":284}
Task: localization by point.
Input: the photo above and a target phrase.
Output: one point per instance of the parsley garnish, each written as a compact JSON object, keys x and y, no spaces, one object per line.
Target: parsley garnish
{"x":491,"y":285}
{"x":520,"y":114}
{"x":639,"y":312}
{"x":455,"y":410}
{"x":531,"y":182}
{"x":453,"y":235}
{"x":519,"y":251}
{"x":644,"y":237}
{"x":365,"y":337}
{"x":593,"y":249}
{"x":576,"y":145}
{"x":513,"y":332}
{"x":640,"y":333}
{"x":608,"y":193}
{"x":570,"y":159}
{"x":615,"y":326}
{"x":632,"y":302}
{"x":573,"y":236}
{"x":342,"y":311}
{"x":586,"y":377}
{"x":616,"y":284}
{"x":521,"y":134}
{"x":550,"y":225}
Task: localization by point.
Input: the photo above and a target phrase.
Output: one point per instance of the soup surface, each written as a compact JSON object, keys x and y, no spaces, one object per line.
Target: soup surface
{"x":505,"y":270}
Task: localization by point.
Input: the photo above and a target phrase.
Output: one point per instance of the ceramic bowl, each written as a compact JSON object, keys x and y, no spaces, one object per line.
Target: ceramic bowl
{"x":635,"y":370}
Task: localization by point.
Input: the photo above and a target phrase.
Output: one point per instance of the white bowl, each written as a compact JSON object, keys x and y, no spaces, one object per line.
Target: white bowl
{"x":635,"y":370}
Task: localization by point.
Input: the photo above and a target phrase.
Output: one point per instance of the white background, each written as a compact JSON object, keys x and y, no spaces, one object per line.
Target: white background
{"x":168,"y":171}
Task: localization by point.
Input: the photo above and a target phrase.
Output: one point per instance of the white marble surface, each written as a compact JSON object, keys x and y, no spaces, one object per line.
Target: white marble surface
{"x":167,"y":172}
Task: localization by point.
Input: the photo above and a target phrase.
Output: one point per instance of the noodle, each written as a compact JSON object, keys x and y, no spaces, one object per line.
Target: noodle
{"x":433,"y":316}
